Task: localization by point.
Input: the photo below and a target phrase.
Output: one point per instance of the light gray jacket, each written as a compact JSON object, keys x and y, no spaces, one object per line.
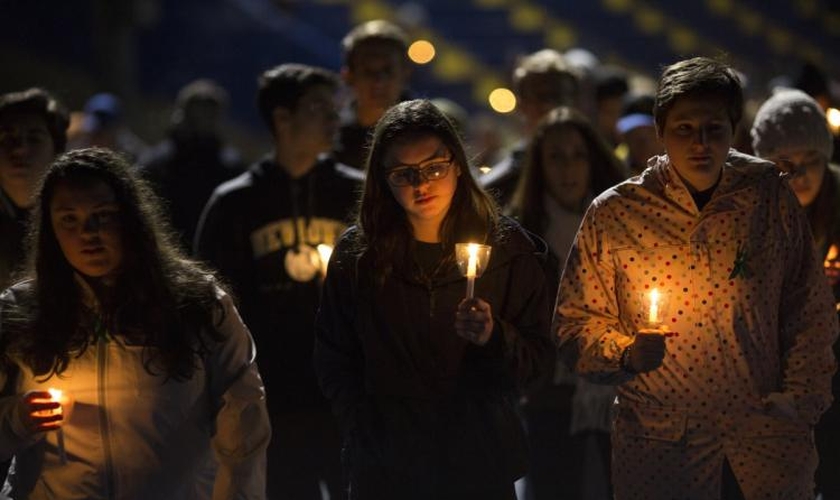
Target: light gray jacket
{"x":131,"y":435}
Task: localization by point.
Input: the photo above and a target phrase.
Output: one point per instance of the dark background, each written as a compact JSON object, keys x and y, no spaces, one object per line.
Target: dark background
{"x":145,"y":50}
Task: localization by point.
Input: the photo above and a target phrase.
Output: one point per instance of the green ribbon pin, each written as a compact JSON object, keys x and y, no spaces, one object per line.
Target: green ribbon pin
{"x":741,"y":267}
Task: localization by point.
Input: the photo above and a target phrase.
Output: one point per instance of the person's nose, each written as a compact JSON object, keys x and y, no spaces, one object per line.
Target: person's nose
{"x":382,"y":77}
{"x":702,"y":136}
{"x":418,"y":179}
{"x":91,"y":225}
{"x":15,"y":145}
{"x":798,"y":180}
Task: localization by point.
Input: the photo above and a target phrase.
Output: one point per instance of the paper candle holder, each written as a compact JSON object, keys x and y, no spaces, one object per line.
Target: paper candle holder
{"x":654,"y":308}
{"x":472,"y":259}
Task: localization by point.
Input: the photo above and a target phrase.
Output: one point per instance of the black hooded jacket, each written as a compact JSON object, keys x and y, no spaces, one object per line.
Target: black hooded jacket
{"x":250,"y":228}
{"x":425,"y":412}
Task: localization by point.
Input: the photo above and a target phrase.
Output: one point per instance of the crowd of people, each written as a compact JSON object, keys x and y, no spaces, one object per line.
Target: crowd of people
{"x":177,"y":323}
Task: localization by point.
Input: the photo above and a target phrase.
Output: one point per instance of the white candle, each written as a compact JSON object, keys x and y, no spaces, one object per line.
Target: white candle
{"x":324,"y":253}
{"x":472,"y":264}
{"x":653,"y":313}
{"x":57,"y":395}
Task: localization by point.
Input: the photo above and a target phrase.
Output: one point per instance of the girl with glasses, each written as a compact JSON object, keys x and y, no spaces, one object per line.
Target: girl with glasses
{"x":424,"y":381}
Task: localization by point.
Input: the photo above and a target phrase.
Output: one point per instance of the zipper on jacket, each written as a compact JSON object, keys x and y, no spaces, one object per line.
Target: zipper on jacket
{"x":431,"y":290}
{"x":101,"y":366}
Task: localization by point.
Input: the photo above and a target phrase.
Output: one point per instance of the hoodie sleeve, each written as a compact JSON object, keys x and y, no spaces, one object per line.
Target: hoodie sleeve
{"x":522,"y":326}
{"x":220,"y":236}
{"x":338,"y":359}
{"x":242,"y":427}
{"x":807,"y":319}
{"x":13,"y":434}
{"x":586,"y":313}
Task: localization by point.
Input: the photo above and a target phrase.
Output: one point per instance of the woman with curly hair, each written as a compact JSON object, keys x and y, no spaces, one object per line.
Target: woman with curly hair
{"x":159,"y":394}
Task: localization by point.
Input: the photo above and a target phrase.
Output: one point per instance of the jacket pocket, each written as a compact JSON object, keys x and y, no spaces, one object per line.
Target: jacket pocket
{"x":659,"y":424}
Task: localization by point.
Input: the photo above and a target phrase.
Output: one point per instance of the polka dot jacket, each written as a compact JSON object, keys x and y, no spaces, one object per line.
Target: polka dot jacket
{"x":748,"y":363}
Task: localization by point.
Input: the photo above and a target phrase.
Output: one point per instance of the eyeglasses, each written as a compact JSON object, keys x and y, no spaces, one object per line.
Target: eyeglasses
{"x":405,"y":175}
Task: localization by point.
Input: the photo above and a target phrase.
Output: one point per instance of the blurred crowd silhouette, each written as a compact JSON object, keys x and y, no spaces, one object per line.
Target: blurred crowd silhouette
{"x":266,"y":221}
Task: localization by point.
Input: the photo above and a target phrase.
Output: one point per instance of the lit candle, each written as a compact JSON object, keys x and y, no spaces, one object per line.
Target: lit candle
{"x":472,"y":264}
{"x":57,"y":395}
{"x":653,"y":313}
{"x":324,"y":252}
{"x":831,"y":257}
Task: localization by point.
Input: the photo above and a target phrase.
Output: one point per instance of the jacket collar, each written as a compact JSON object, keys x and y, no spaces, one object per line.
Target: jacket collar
{"x":739,"y":172}
{"x":89,"y":298}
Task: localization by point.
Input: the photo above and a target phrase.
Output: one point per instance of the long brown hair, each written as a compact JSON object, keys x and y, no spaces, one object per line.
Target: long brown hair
{"x":605,"y":170}
{"x":385,"y":232}
{"x":167,"y":300}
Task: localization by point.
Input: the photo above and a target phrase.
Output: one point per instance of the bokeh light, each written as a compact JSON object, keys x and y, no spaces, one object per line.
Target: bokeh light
{"x":833,"y":115}
{"x":502,"y":100}
{"x":421,"y":51}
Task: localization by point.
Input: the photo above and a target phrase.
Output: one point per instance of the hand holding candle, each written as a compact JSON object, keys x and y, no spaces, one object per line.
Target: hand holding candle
{"x":47,"y":411}
{"x":58,"y":395}
{"x":646,"y":352}
{"x":41,"y":411}
{"x":648,"y":348}
{"x":474,"y":321}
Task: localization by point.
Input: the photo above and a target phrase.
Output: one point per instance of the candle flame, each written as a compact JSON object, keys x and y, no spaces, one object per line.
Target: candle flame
{"x":324,"y":252}
{"x":653,"y":314}
{"x":472,"y":263}
{"x":832,"y":254}
{"x":56,"y":395}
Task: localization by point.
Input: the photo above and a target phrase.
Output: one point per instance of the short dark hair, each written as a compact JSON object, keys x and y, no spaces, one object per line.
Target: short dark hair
{"x":203,"y":89}
{"x":284,"y":85}
{"x":609,"y":81}
{"x":699,"y":77}
{"x":544,"y":62}
{"x":38,"y":101}
{"x":375,"y":31}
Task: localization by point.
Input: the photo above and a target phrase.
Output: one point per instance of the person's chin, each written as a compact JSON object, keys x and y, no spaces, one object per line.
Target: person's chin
{"x":701,"y":163}
{"x":805,"y":197}
{"x":97,"y":267}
